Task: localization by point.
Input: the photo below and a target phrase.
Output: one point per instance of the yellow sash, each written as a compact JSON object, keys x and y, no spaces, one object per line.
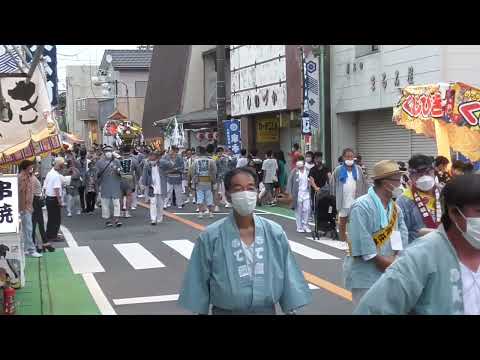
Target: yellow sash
{"x":381,"y":236}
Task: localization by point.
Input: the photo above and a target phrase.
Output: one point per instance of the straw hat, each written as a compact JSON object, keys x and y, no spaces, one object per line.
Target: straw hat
{"x":386,"y":168}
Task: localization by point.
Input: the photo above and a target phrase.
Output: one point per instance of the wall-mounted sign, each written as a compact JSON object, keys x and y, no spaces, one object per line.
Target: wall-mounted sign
{"x":268,"y":130}
{"x":8,"y":204}
{"x":258,"y":78}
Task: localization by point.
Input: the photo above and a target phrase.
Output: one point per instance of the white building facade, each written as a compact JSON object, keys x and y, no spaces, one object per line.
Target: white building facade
{"x":365,"y":82}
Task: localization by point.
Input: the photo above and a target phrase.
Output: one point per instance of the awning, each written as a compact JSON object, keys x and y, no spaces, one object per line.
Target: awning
{"x":71,"y":139}
{"x":117,"y":115}
{"x":195,"y":117}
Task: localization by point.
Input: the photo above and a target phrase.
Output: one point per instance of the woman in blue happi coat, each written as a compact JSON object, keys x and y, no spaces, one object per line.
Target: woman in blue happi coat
{"x":243,"y":264}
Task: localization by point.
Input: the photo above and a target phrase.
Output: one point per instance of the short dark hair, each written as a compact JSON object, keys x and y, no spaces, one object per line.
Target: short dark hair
{"x":210,"y":148}
{"x":201,"y":150}
{"x":458,"y":164}
{"x":243,"y":152}
{"x":318,"y":154}
{"x":242,"y":170}
{"x":25,"y":164}
{"x":174,"y":148}
{"x":460,"y":191}
{"x":219,"y":149}
{"x":296,"y":146}
{"x":441,"y":160}
{"x":345,"y":151}
{"x":254,"y":152}
{"x":418,"y":161}
{"x":309,"y":153}
{"x":269,"y":153}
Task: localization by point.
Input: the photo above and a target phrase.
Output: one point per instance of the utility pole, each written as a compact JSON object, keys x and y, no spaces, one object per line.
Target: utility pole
{"x":221,"y":93}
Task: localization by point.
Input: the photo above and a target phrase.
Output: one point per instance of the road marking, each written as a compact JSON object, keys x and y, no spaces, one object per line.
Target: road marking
{"x":340,"y":245}
{"x":146,"y":299}
{"x":183,"y":247}
{"x":98,"y":296}
{"x":83,"y":260}
{"x":139,"y":257}
{"x":177,"y":218}
{"x":280,"y":215}
{"x":327,"y":285}
{"x":309,"y":252}
{"x":324,"y":284}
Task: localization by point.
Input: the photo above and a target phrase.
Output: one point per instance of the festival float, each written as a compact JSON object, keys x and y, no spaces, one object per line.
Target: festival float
{"x":119,"y":130}
{"x":447,"y":112}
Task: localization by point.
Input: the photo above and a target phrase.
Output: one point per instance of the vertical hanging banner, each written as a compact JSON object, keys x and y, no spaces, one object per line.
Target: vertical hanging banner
{"x":50,"y":66}
{"x":8,"y":204}
{"x":232,"y":135}
{"x":312,"y":91}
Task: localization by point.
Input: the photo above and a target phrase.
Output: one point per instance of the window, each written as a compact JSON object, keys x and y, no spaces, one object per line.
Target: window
{"x":362,"y":50}
{"x":141,"y":88}
{"x":78,"y":104}
{"x":84,"y":104}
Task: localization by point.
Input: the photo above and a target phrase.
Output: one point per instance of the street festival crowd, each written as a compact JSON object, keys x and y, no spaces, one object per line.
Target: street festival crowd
{"x":412,"y":230}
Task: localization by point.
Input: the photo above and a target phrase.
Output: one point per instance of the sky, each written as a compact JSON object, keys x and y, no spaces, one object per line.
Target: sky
{"x":81,"y":55}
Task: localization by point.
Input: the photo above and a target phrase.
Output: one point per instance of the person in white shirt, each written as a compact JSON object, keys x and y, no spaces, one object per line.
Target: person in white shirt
{"x":348,"y":183}
{"x":243,"y":160}
{"x":299,"y":189}
{"x":270,"y":168}
{"x":155,"y":183}
{"x":53,"y":188}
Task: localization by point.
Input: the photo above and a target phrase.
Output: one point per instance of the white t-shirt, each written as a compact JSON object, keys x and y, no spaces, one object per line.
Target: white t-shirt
{"x":157,"y":187}
{"x":243,"y":161}
{"x":471,"y":290}
{"x":53,"y":181}
{"x":349,"y":190}
{"x":303,"y":192}
{"x":308,"y":166}
{"x":270,"y":167}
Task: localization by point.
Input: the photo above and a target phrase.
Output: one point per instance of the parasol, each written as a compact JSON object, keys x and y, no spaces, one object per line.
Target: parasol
{"x":448,"y":112}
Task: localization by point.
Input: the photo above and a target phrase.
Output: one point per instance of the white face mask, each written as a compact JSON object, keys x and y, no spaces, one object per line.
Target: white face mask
{"x":425,"y":183}
{"x":396,"y":191}
{"x":349,"y":162}
{"x":472,"y":233}
{"x":244,"y":202}
{"x":108,"y":154}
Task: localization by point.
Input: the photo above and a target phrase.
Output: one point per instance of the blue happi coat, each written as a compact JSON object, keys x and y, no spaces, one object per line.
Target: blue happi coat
{"x":426,"y":280}
{"x":217,"y":274}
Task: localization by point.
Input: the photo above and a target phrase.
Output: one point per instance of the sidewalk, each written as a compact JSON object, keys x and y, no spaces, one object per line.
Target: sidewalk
{"x":51,"y":288}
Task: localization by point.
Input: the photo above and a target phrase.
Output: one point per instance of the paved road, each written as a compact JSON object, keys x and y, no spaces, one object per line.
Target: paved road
{"x":139,"y":268}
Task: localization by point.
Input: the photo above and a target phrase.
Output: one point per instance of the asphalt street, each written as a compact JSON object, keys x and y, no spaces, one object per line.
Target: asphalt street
{"x":139,"y":268}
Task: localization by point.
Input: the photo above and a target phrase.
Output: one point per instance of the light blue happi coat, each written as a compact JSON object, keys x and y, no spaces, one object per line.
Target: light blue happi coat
{"x":217,"y":274}
{"x":364,"y":221}
{"x":425,"y":280}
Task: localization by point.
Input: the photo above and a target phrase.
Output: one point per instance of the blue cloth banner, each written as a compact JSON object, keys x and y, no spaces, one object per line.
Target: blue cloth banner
{"x":50,"y":55}
{"x":232,"y":135}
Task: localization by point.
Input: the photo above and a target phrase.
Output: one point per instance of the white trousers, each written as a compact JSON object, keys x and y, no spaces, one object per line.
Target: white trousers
{"x":134,"y":199}
{"x":156,"y":208}
{"x":73,"y":203}
{"x":178,"y":194}
{"x":106,"y":208}
{"x":302,"y":213}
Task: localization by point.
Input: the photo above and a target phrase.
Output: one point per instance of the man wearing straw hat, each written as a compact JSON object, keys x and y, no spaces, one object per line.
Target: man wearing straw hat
{"x":376,"y":230}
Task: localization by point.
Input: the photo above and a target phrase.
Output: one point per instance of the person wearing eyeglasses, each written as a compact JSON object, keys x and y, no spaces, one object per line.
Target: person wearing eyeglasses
{"x":420,"y":202}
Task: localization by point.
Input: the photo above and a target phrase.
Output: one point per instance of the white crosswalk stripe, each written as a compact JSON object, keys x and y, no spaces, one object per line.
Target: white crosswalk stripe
{"x":183,"y":247}
{"x":83,"y":260}
{"x":340,"y":245}
{"x":139,"y":257}
{"x":309,"y":252}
